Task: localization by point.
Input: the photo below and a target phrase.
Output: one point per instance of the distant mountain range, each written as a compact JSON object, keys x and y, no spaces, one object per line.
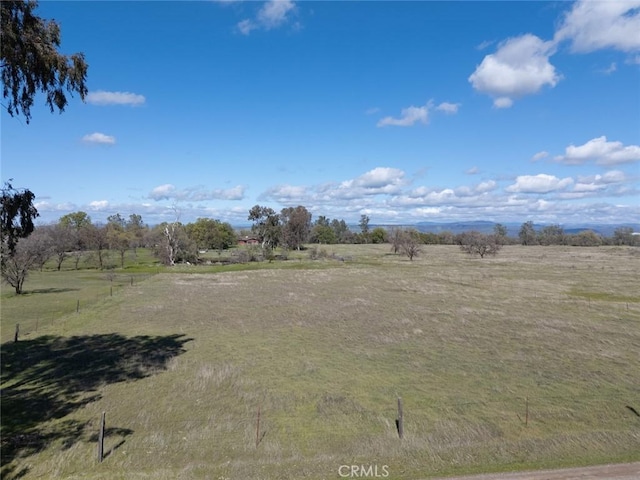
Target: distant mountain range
{"x":514,"y":228}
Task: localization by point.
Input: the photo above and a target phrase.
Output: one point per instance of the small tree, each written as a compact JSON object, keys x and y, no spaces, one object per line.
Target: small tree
{"x":527,"y":234}
{"x":16,"y":266}
{"x":552,"y":235}
{"x":476,"y":243}
{"x":296,"y":226}
{"x":364,"y":227}
{"x":17,"y":213}
{"x":410,"y":244}
{"x":378,"y":235}
{"x":266,"y":225}
{"x":395,"y":237}
{"x":623,"y":236}
{"x":500,"y":231}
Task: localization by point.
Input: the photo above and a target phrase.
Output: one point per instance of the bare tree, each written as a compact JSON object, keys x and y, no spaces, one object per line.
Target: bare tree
{"x":16,"y":266}
{"x":41,"y":245}
{"x":63,"y":241}
{"x":476,"y":243}
{"x":410,"y":243}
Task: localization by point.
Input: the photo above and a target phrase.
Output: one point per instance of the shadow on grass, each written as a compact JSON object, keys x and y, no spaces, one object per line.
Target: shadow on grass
{"x":48,"y":377}
{"x":50,"y":290}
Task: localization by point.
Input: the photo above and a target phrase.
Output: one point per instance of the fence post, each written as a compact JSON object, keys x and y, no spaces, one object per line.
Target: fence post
{"x":101,"y":438}
{"x":15,"y":337}
{"x":526,"y":411}
{"x":258,"y":428}
{"x":400,"y":419}
{"x":78,"y":306}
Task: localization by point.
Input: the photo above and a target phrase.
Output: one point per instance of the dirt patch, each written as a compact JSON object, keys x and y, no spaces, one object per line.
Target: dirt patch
{"x":623,"y":471}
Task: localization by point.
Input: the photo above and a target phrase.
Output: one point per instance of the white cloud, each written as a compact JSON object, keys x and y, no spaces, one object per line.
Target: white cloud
{"x":485,"y":44}
{"x":610,"y":69}
{"x":519,"y":67}
{"x":98,"y":204}
{"x":196,"y":194}
{"x":163,"y":192}
{"x":409,"y":116}
{"x":286,"y":194}
{"x":98,"y":137}
{"x":472,"y":171}
{"x":380,"y":180}
{"x":541,"y":183}
{"x":246,"y":26}
{"x":272,"y":14}
{"x":102,"y":97}
{"x":595,"y":25}
{"x":539,"y":156}
{"x":449,"y":108}
{"x":601,"y":151}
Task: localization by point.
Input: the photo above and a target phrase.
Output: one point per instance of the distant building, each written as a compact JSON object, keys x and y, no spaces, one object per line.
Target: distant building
{"x":248,"y":241}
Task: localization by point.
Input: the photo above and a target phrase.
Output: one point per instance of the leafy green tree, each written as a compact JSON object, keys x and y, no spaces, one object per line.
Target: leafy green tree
{"x":16,"y":216}
{"x":323,"y":234}
{"x":78,"y":223}
{"x":527,"y":234}
{"x":136,"y":229}
{"x":296,"y":226}
{"x":31,"y":62}
{"x":266,"y":226}
{"x":378,"y":235}
{"x":76,"y":220}
{"x":209,"y":233}
{"x":118,"y":238}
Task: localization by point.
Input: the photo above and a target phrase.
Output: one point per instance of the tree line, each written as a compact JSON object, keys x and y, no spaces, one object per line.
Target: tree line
{"x":75,"y":237}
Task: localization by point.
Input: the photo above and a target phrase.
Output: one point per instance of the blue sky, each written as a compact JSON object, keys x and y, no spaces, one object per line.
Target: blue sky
{"x":403,"y":111}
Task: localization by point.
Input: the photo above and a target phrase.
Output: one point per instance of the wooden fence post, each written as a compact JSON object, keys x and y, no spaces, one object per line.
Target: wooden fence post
{"x":400,"y":419}
{"x":101,"y":438}
{"x":526,"y":411}
{"x":258,"y":428}
{"x":15,"y":337}
{"x":78,"y":306}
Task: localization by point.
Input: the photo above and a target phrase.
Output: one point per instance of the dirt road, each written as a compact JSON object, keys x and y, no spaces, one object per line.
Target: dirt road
{"x":623,"y":471}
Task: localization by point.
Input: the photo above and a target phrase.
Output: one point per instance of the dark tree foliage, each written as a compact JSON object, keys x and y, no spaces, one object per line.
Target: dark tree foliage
{"x":17,"y":215}
{"x":31,"y":62}
{"x":296,"y":226}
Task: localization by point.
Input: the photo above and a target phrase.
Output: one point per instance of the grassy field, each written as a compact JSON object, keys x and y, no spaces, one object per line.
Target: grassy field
{"x":525,"y":360}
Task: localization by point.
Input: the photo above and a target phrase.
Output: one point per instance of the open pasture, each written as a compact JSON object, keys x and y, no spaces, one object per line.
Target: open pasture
{"x":525,"y":360}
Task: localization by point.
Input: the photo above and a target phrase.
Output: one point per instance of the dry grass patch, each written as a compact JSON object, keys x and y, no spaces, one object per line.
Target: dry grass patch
{"x":476,"y":349}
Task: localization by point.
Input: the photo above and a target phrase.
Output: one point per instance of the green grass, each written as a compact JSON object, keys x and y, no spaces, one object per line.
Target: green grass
{"x":181,"y":363}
